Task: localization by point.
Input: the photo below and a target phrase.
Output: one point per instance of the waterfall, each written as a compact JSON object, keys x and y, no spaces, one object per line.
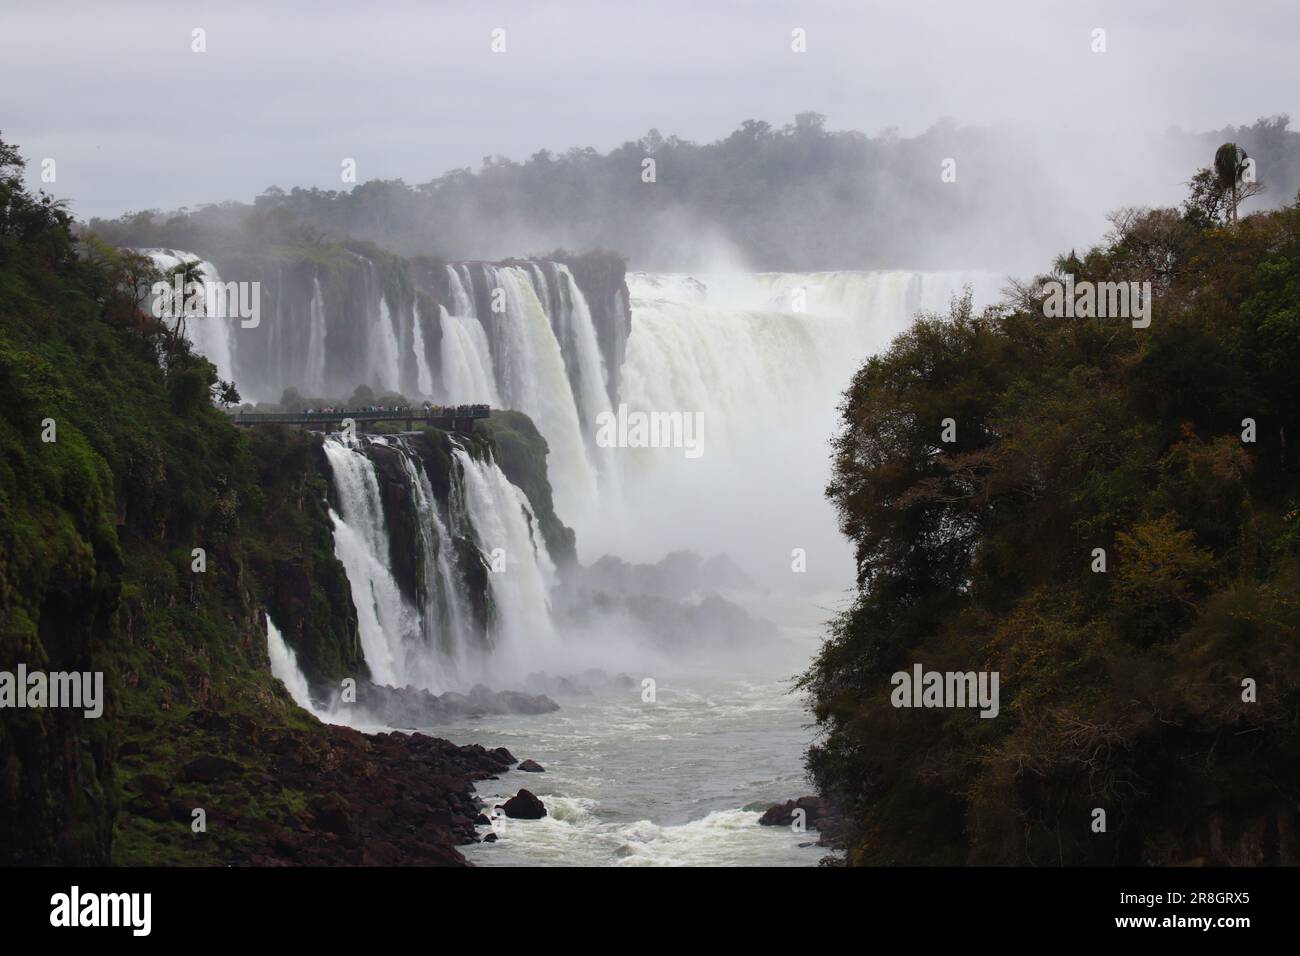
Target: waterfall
{"x":435,"y":642}
{"x":209,"y":334}
{"x":756,"y":355}
{"x":385,"y":364}
{"x":753,"y":353}
{"x":315,"y":376}
{"x":445,"y":617}
{"x":461,"y":302}
{"x":540,"y":355}
{"x":284,"y":666}
{"x":531,"y":377}
{"x":384,"y":619}
{"x":423,"y":376}
{"x":506,"y":528}
{"x":763,"y":359}
{"x":466,"y":362}
{"x":587,"y":372}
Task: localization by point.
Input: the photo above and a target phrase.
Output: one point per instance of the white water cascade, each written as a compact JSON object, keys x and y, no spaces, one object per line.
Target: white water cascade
{"x":423,"y":375}
{"x":590,"y":378}
{"x":385,"y":621}
{"x":531,"y":377}
{"x":516,"y":358}
{"x":284,"y":666}
{"x":315,"y":375}
{"x":503,"y":518}
{"x":762,"y":359}
{"x":466,"y":362}
{"x":433,"y":643}
{"x":385,"y":350}
{"x":445,"y":616}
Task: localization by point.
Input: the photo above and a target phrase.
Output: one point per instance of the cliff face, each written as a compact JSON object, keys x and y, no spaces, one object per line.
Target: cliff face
{"x":321,"y":306}
{"x":61,"y":580}
{"x":300,"y":581}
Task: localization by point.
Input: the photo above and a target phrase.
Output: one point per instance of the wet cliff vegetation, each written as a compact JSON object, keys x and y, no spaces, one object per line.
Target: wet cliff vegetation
{"x":116,"y":464}
{"x":1125,"y":689}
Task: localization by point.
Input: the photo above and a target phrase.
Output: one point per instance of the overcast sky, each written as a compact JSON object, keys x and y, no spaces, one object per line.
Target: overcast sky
{"x":134,"y":119}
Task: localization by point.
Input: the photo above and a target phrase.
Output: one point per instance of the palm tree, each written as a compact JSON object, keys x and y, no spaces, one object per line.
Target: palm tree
{"x":1230,"y":165}
{"x":191,"y":272}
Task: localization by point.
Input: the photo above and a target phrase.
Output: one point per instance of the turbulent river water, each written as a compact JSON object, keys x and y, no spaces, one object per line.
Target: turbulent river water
{"x":681,"y":781}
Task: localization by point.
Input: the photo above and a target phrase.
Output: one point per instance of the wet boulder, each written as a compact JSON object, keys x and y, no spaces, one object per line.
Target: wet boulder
{"x":524,"y":806}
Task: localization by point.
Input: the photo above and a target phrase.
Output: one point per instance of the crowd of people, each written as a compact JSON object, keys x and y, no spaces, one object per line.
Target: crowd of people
{"x":427,"y":410}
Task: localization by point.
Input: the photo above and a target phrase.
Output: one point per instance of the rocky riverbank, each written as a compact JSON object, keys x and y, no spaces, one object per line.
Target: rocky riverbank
{"x":812,"y":813}
{"x":319,"y":796}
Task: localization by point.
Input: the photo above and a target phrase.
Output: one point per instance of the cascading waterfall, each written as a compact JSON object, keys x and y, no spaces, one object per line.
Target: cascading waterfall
{"x":423,"y":375}
{"x":539,"y":355}
{"x":385,"y":621}
{"x":531,"y":377}
{"x":590,"y":378}
{"x":762,"y":358}
{"x":466,"y":362}
{"x":284,"y":666}
{"x":433,"y":642}
{"x":315,"y":375}
{"x":445,"y":617}
{"x":750,"y":353}
{"x":753,"y":351}
{"x":385,"y":350}
{"x":754,"y":340}
{"x":503,"y":518}
{"x":461,"y":302}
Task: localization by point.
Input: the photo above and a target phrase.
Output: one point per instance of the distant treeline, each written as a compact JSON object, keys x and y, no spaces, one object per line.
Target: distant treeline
{"x":797,"y":197}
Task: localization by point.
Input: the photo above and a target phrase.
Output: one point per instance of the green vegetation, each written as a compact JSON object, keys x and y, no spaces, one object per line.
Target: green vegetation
{"x":114,"y":466}
{"x":1120,"y":690}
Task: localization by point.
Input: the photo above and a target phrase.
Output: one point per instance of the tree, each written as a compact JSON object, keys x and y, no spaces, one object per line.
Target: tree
{"x":1234,"y":174}
{"x":191,"y":278}
{"x":1074,"y":438}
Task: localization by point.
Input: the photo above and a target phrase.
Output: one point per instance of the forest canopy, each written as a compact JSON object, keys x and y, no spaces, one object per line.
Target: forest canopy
{"x":1160,"y":685}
